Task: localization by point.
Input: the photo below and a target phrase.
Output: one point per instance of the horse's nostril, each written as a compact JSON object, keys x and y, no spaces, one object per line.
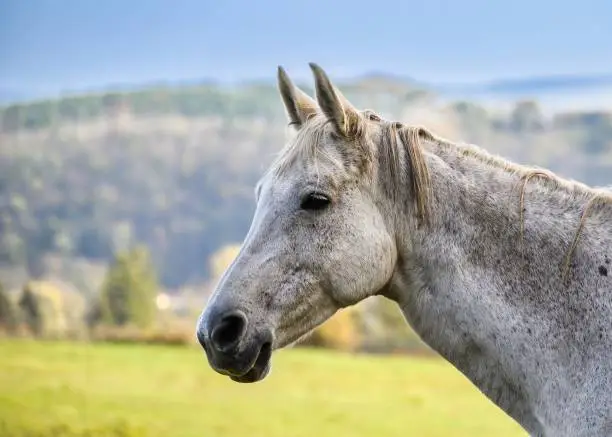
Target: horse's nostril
{"x":229,"y":331}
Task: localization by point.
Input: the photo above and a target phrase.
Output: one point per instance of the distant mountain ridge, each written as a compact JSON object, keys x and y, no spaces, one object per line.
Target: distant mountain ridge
{"x":539,"y":84}
{"x":503,"y":88}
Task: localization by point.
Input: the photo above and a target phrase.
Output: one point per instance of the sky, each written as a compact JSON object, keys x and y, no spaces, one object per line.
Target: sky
{"x":50,"y":46}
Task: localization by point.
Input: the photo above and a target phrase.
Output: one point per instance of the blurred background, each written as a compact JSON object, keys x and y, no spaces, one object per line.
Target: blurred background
{"x":132,"y":134}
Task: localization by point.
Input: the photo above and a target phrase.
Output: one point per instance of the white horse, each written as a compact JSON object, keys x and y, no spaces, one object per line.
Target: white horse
{"x":503,"y":269}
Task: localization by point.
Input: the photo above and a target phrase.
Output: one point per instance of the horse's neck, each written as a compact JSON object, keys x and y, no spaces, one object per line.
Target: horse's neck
{"x":489,"y":294}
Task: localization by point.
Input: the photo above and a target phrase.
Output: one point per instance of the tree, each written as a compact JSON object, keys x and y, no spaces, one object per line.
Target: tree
{"x":129,"y":290}
{"x":221,"y":260}
{"x":31,"y":309}
{"x":8,"y":318}
{"x":94,"y":315}
{"x":384,"y":327}
{"x":526,"y":117}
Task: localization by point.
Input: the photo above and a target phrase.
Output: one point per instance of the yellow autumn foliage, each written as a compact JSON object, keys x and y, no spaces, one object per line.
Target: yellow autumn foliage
{"x":221,"y":260}
{"x":62,"y":310}
{"x":341,"y":331}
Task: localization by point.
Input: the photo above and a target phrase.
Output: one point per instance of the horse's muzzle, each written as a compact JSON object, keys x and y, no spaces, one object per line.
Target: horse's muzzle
{"x":235,"y":349}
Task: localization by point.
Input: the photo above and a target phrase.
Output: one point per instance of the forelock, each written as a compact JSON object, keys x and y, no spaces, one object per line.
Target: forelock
{"x":314,"y":143}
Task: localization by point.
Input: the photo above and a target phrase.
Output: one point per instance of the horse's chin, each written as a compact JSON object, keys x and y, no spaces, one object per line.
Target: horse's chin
{"x":260,"y":369}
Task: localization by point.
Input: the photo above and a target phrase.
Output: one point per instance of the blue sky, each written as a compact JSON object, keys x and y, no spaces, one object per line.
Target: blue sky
{"x":47,"y":46}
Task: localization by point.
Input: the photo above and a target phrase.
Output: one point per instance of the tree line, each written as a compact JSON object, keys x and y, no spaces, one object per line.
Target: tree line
{"x":126,"y":309}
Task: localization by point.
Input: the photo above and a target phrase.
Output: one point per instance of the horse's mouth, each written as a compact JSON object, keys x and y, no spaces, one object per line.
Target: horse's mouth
{"x":260,"y":368}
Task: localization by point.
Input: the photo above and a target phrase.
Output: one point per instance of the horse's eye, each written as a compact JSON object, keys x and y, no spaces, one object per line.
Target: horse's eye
{"x":315,"y":201}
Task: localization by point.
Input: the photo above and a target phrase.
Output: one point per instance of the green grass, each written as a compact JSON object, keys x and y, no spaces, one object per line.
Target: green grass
{"x":69,"y":389}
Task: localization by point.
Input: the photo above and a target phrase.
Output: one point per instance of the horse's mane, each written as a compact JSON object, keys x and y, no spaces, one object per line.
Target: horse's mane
{"x":594,"y":195}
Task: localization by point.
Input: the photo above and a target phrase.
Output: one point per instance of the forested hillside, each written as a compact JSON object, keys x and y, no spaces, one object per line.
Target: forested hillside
{"x":174,"y":168}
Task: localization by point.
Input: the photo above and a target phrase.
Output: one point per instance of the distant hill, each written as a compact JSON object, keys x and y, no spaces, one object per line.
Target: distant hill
{"x":563,"y":92}
{"x":174,"y":166}
{"x":552,"y":84}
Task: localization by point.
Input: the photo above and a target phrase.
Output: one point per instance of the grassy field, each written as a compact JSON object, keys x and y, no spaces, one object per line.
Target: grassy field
{"x":64,"y":389}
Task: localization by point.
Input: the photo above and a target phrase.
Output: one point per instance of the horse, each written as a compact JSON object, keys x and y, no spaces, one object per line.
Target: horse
{"x":503,"y":269}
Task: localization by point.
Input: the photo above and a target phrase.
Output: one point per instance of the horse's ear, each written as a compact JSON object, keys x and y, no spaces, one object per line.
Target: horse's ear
{"x":298,"y":105}
{"x":334,"y":105}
